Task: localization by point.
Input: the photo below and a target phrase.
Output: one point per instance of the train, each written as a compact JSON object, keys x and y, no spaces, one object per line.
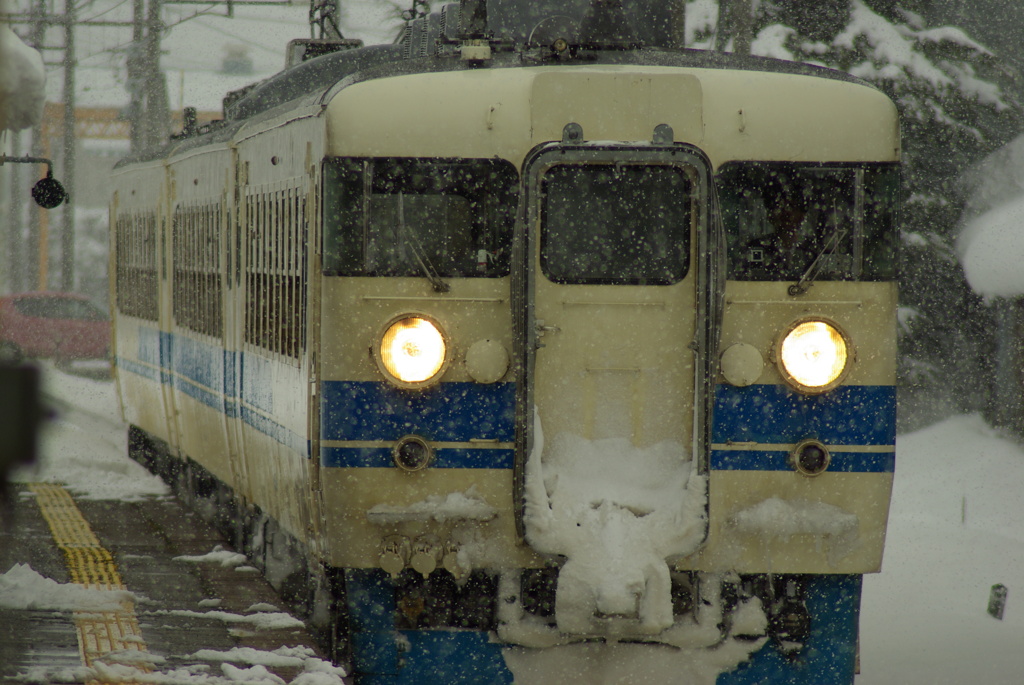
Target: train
{"x":531,"y":347}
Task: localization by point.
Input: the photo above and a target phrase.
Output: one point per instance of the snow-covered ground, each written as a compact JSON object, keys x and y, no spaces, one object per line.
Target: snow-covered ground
{"x":956,"y":529}
{"x":84,"y":448}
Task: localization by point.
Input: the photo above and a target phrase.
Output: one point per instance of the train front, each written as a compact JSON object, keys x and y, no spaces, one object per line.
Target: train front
{"x":573,"y":426}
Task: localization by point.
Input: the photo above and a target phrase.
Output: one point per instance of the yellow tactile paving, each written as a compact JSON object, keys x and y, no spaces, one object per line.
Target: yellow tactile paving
{"x":92,"y":566}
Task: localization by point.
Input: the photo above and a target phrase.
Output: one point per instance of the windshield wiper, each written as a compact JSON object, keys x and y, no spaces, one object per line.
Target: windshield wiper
{"x":426,"y":267}
{"x":827,"y":250}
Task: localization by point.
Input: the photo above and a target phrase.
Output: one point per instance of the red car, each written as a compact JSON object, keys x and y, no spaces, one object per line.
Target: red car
{"x":62,"y":326}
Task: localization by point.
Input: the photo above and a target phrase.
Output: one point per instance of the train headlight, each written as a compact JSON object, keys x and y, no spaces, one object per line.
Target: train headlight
{"x":814,"y":356}
{"x":413,"y":351}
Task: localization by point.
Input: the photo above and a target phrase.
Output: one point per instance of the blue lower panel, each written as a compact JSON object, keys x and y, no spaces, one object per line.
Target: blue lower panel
{"x":385,"y":656}
{"x":830,"y":655}
{"x":848,"y":415}
{"x":464,"y":657}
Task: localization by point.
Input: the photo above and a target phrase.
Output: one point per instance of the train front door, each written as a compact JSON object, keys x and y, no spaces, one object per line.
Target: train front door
{"x":614,"y":408}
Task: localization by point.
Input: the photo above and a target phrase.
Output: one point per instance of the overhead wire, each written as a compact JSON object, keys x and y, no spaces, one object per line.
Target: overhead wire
{"x":207,"y":11}
{"x":105,"y":12}
{"x":229,"y":34}
{"x":119,"y":47}
{"x":114,"y":50}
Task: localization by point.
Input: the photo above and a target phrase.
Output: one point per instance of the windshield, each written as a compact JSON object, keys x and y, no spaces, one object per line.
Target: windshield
{"x":615,"y":223}
{"x":415,"y":217}
{"x":782,"y":218}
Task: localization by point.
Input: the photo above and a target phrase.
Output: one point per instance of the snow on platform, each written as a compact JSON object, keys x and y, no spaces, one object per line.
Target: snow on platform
{"x":204,"y":615}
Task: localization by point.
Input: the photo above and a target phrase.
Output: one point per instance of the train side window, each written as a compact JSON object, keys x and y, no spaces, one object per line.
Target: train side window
{"x":196,"y":268}
{"x":616,"y":223}
{"x":396,"y":217}
{"x":275,"y":271}
{"x":136,"y":277}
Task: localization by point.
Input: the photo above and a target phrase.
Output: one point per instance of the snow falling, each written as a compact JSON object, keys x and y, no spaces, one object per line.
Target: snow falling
{"x":954,"y":528}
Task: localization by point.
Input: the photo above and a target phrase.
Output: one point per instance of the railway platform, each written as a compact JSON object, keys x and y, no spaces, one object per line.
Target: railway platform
{"x":138,"y":592}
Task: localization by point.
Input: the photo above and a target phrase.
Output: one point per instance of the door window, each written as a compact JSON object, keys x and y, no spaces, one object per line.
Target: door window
{"x":616,"y":223}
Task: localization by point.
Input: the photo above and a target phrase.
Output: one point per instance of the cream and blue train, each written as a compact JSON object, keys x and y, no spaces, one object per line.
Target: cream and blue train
{"x":530,"y":348}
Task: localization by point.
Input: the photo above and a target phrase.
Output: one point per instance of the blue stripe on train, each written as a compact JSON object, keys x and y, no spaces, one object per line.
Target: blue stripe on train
{"x":842,"y":462}
{"x":448,"y":412}
{"x":774,"y":414}
{"x":444,"y":458}
{"x":459,"y":412}
{"x":207,"y":373}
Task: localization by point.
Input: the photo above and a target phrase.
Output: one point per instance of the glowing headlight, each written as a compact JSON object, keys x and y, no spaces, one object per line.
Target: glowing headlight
{"x":412,"y":351}
{"x":814,"y":356}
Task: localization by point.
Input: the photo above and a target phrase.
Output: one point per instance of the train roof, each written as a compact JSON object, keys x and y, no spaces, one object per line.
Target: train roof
{"x":383,"y":61}
{"x":427,"y":46}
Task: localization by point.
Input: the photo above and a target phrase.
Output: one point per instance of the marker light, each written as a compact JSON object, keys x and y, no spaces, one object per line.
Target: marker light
{"x":412,"y":453}
{"x":810,"y":457}
{"x":814,"y":356}
{"x":412,"y":351}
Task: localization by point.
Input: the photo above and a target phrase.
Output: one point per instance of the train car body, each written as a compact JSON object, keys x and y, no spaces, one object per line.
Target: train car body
{"x":482,"y":352}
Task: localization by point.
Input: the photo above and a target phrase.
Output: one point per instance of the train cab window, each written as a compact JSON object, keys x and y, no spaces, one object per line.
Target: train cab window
{"x":616,"y":223}
{"x":881,"y":223}
{"x":410,"y":217}
{"x":784,"y":221}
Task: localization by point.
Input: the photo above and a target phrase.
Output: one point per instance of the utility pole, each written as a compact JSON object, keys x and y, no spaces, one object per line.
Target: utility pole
{"x":157,"y":115}
{"x":33,"y":252}
{"x":135,"y":65}
{"x":67,"y":237}
{"x":38,"y":218}
{"x":15,"y":215}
